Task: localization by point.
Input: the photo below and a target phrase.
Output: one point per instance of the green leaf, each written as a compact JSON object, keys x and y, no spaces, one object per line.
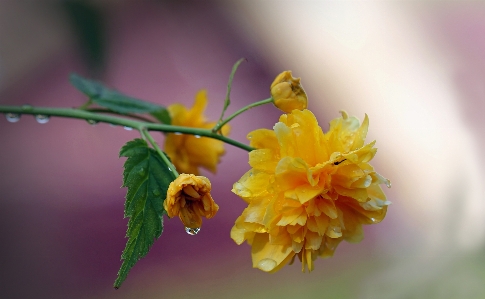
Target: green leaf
{"x":147,"y":177}
{"x":90,"y":88}
{"x":123,"y":104}
{"x":114,"y":100}
{"x":162,"y":116}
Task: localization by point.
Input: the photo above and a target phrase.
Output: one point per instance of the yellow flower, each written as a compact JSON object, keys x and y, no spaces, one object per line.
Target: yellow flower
{"x":287,"y":93}
{"x":307,"y":191}
{"x":189,"y":152}
{"x":188,"y":197}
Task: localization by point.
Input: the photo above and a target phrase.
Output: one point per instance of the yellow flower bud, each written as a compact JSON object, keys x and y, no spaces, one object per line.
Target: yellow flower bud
{"x":188,"y":197}
{"x":287,"y":93}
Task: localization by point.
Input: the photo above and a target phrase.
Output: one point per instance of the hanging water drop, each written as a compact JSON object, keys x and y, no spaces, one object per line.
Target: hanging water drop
{"x":12,"y":117}
{"x":192,"y":231}
{"x":197,"y":136}
{"x":178,"y":133}
{"x":27,"y":107}
{"x":42,"y":119}
{"x":92,"y":122}
{"x":127,"y":128}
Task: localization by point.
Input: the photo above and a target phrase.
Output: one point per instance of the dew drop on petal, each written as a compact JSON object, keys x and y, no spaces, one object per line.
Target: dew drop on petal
{"x":267,"y":264}
{"x":12,"y":117}
{"x":42,"y":118}
{"x":192,"y":231}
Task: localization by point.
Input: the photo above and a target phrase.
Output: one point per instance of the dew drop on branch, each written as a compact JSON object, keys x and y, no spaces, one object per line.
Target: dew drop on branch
{"x":27,"y":107}
{"x":92,"y":122}
{"x":12,"y":117}
{"x":127,"y":128}
{"x":42,"y":119}
{"x":192,"y":231}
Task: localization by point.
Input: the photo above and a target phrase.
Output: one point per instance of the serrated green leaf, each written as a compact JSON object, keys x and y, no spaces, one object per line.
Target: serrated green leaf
{"x":147,"y":177}
{"x":116,"y":101}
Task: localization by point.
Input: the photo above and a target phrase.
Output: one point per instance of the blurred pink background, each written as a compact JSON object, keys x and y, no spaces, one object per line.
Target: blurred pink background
{"x":416,"y":68}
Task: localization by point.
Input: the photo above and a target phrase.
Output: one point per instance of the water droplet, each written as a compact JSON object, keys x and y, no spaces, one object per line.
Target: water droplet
{"x":92,"y":122}
{"x":388,"y":184}
{"x":267,"y":264}
{"x":127,"y":128}
{"x":192,"y":231}
{"x":197,"y":136}
{"x":373,"y":219}
{"x":156,"y":192}
{"x":27,"y":107}
{"x":12,"y":117}
{"x":141,"y":172}
{"x":42,"y":119}
{"x":178,"y":133}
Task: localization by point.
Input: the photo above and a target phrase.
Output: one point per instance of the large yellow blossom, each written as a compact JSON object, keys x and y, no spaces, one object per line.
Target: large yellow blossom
{"x":307,"y":191}
{"x":189,"y":152}
{"x":188,"y":197}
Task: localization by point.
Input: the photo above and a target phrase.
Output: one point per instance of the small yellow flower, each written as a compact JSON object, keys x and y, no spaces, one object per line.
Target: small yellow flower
{"x":287,"y":93}
{"x":307,"y":190}
{"x":189,"y":152}
{"x":188,"y":197}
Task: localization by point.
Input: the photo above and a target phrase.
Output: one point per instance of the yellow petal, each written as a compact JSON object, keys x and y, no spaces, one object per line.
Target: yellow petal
{"x":268,"y":256}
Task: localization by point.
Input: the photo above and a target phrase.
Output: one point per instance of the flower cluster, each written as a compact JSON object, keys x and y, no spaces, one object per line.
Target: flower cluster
{"x":307,"y":190}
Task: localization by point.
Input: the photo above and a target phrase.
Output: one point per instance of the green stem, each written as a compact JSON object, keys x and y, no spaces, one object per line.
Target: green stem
{"x":121,"y":121}
{"x":164,"y":157}
{"x":102,"y":110}
{"x":85,"y":105}
{"x":229,"y":86}
{"x":222,"y":123}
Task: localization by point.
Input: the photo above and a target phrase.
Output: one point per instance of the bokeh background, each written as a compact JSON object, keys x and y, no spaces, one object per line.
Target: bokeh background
{"x":416,"y":68}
